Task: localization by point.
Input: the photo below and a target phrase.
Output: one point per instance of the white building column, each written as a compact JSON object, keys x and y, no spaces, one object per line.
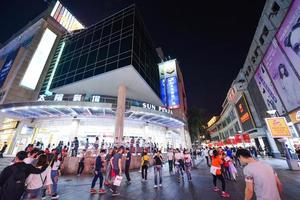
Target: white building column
{"x":273,"y":145}
{"x":74,"y":129}
{"x":119,"y":124}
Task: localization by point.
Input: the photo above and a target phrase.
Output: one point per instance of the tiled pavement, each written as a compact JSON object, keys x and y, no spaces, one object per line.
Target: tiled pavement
{"x":73,"y":188}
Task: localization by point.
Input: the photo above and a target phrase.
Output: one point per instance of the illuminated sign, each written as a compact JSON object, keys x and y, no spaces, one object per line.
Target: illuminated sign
{"x":212,"y":121}
{"x":42,"y":97}
{"x":7,"y":66}
{"x":244,"y":114}
{"x":157,"y":108}
{"x":38,"y":61}
{"x":77,"y":97}
{"x":231,"y":94}
{"x":9,"y":125}
{"x":278,"y":127}
{"x":58,"y":97}
{"x":65,"y":18}
{"x":96,"y":99}
{"x":169,"y":84}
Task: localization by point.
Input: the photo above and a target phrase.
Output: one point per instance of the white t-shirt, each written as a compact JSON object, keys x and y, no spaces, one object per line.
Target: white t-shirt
{"x":206,"y":152}
{"x":170,"y":155}
{"x":28,"y":160}
{"x":178,"y":156}
{"x":211,"y":152}
{"x":35,"y":181}
{"x":56,"y":165}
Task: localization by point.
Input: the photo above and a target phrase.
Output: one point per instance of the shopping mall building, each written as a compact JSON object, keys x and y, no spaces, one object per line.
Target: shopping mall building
{"x":60,"y":79}
{"x":267,"y":86}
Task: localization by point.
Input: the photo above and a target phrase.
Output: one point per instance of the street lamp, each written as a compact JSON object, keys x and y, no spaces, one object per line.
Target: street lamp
{"x":272,"y":112}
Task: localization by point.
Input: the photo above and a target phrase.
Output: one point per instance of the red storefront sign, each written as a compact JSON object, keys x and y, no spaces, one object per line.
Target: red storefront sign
{"x":246,"y":138}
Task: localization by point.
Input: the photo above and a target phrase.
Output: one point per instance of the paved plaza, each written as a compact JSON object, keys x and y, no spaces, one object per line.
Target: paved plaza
{"x":73,"y":187}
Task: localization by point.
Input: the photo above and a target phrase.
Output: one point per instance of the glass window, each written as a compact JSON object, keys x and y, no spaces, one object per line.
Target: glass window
{"x":92,"y":57}
{"x":126,"y":44}
{"x":82,"y":61}
{"x":88,"y":74}
{"x":88,"y":39}
{"x":78,"y":77}
{"x":124,"y":62}
{"x":74,"y":63}
{"x":106,"y":30}
{"x":99,"y":70}
{"x":117,"y":26}
{"x":97,"y":35}
{"x":128,"y":20}
{"x":79,"y":43}
{"x":102,"y":54}
{"x":111,"y":66}
{"x":113,"y":49}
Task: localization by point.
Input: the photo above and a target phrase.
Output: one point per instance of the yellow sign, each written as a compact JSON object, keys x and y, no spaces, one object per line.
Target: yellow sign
{"x":278,"y":127}
{"x":295,"y":117}
{"x":9,"y":125}
{"x":212,"y":121}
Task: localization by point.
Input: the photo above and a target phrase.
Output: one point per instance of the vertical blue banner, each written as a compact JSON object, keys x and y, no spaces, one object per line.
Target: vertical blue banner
{"x":7,"y":66}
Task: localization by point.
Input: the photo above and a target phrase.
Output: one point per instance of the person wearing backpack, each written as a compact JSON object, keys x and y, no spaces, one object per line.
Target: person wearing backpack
{"x":13,"y":177}
{"x":36,"y":182}
{"x":98,"y":174}
{"x":158,"y":163}
{"x":145,"y":163}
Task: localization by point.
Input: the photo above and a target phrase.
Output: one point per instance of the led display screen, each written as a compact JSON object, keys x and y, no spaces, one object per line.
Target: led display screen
{"x":38,"y":61}
{"x":283,"y":76}
{"x":169,"y":84}
{"x":244,"y":114}
{"x":267,"y":90}
{"x":65,"y":18}
{"x":7,"y":66}
{"x":288,"y":35}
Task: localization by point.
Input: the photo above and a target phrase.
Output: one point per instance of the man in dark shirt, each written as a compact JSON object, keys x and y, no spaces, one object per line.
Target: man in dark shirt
{"x":116,"y":163}
{"x":127,"y":164}
{"x":12,"y":178}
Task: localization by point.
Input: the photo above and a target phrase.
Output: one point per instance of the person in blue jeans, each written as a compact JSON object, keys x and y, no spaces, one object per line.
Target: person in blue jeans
{"x":158,"y":161}
{"x":55,"y":172}
{"x":98,"y":175}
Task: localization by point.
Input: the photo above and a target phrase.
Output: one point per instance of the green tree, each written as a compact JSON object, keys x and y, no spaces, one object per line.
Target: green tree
{"x":197,"y":119}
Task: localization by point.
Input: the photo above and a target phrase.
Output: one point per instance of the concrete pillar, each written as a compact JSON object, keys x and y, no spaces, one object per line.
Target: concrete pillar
{"x":273,"y":145}
{"x":74,"y":129}
{"x":119,"y":124}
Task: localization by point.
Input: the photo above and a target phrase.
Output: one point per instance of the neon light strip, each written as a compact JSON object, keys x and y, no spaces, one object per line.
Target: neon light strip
{"x":54,"y":8}
{"x":47,"y":92}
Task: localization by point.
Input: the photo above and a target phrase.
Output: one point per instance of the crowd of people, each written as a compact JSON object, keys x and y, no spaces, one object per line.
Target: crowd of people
{"x":34,"y":173}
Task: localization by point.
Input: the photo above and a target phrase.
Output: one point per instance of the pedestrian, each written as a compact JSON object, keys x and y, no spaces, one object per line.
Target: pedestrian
{"x":171,"y":160}
{"x":206,"y":156}
{"x":13,"y":177}
{"x":116,"y":163}
{"x":75,"y":146}
{"x":108,"y":157}
{"x":233,"y":170}
{"x":96,"y":144}
{"x":81,"y":163}
{"x":145,"y":164}
{"x":158,"y":163}
{"x":226,"y":159}
{"x":187,"y":164}
{"x":216,"y":172}
{"x":87,"y":144}
{"x":127,"y":164}
{"x":55,"y":172}
{"x":298,"y":151}
{"x":260,"y":178}
{"x":98,"y":175}
{"x":179,"y":170}
{"x":31,"y":156}
{"x":3,"y":149}
{"x":36,"y":182}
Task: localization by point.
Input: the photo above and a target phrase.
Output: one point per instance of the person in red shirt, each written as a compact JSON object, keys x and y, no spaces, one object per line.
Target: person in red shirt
{"x":216,"y":172}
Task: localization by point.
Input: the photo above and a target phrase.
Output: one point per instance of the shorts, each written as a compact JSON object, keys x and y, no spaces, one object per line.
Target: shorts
{"x":32,"y":193}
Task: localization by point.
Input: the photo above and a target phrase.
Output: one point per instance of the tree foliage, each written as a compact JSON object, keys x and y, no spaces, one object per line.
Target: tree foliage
{"x":197,"y":121}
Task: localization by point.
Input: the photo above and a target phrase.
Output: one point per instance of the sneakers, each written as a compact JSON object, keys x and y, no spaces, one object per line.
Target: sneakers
{"x":225,"y":195}
{"x":93,"y":191}
{"x":216,"y":189}
{"x":55,"y":196}
{"x":106,"y":183}
{"x":160,"y":185}
{"x":44,"y":197}
{"x":101,"y":191}
{"x":115,"y":194}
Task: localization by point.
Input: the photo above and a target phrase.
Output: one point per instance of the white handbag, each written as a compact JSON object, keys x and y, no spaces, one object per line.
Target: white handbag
{"x":118,"y":180}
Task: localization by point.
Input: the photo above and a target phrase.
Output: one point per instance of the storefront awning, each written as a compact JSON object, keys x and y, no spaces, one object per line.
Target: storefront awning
{"x":46,"y":110}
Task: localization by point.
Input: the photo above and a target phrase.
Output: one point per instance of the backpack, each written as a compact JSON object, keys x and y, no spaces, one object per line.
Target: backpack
{"x":14,"y":186}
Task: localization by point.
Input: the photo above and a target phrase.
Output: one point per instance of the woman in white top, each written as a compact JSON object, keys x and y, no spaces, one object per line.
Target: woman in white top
{"x":187,"y":164}
{"x":179,"y":165}
{"x":35,"y":182}
{"x":55,"y":172}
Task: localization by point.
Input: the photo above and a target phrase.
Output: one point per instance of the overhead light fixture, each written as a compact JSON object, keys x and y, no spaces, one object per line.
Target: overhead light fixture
{"x":271,"y":112}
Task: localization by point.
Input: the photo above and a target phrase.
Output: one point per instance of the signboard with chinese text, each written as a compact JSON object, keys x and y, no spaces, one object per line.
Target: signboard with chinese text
{"x":278,"y":127}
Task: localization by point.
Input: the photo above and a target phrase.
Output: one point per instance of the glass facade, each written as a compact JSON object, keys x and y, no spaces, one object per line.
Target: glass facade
{"x":117,"y":41}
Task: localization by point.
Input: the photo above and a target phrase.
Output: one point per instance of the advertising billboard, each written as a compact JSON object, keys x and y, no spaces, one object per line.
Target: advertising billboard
{"x":169,"y":84}
{"x":288,"y":35}
{"x":7,"y":66}
{"x":283,"y":76}
{"x":65,"y":18}
{"x":268,"y":91}
{"x":38,"y":60}
{"x":244,"y":114}
{"x":278,"y":127}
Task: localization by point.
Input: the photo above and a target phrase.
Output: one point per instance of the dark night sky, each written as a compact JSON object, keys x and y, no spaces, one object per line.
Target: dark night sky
{"x":211,"y":39}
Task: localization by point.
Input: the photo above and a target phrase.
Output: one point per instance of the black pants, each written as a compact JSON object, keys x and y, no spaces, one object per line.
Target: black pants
{"x":96,"y":177}
{"x":207,"y":160}
{"x":227,"y":173}
{"x":127,"y":172}
{"x":170,"y":165}
{"x":1,"y":154}
{"x":80,"y":168}
{"x":221,"y":178}
{"x":144,"y":171}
